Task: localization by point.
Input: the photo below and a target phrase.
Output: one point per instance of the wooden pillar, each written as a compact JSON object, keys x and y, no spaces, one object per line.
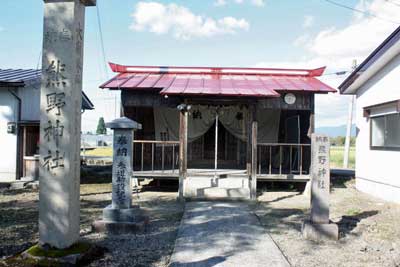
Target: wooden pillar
{"x":23,"y":152}
{"x":311,"y":129}
{"x":216,"y":145}
{"x":253,"y":183}
{"x":249,"y":138}
{"x":183,"y":131}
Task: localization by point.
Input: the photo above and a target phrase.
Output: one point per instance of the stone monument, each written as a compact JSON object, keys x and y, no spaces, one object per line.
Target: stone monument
{"x":319,"y":226}
{"x":60,"y":121}
{"x":121,"y":216}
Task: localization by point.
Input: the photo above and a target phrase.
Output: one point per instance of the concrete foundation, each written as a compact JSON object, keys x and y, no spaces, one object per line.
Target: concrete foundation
{"x":207,"y":187}
{"x":318,"y":232}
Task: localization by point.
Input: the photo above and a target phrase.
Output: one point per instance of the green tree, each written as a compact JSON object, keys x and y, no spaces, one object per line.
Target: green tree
{"x":101,"y":127}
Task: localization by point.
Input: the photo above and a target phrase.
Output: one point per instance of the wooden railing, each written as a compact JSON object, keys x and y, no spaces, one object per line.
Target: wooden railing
{"x":283,"y":158}
{"x":155,"y":155}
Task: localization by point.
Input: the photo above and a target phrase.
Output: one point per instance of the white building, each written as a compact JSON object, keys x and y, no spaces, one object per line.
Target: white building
{"x":19,"y":119}
{"x":376,"y":84}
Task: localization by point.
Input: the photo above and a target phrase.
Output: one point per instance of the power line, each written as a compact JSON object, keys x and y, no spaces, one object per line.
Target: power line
{"x":362,"y":12}
{"x":101,"y":40}
{"x":104,"y":53}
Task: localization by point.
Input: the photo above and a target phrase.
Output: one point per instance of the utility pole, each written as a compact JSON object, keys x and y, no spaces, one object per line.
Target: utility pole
{"x":349,"y":124}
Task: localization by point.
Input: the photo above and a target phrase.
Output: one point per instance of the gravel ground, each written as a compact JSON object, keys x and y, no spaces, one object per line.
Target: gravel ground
{"x":152,"y":247}
{"x":369,"y":228}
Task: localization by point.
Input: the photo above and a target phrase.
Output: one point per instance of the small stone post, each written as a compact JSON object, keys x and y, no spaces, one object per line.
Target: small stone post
{"x":121,"y":216}
{"x":60,"y":121}
{"x":319,"y":226}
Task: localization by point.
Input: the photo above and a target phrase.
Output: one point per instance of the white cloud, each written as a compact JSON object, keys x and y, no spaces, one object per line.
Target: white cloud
{"x":337,"y":47}
{"x":258,"y":2}
{"x":301,"y":40}
{"x":219,"y":3}
{"x":178,"y":20}
{"x":308,"y":21}
{"x":1,"y":29}
{"x":359,"y":38}
{"x":252,"y":2}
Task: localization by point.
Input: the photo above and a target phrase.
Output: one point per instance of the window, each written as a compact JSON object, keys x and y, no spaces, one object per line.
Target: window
{"x":385,"y":131}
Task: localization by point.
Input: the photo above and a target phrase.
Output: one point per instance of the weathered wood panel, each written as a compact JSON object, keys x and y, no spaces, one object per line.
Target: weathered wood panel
{"x":152,"y":98}
{"x":147,"y":99}
{"x":303,"y":102}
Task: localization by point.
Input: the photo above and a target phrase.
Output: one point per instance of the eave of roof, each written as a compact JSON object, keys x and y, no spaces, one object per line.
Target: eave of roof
{"x":20,"y":78}
{"x":367,"y":64}
{"x":212,"y":81}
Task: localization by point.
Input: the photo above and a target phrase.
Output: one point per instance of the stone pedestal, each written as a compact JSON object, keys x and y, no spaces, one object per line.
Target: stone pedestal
{"x":121,"y":217}
{"x":319,"y":226}
{"x":320,"y":231}
{"x":60,"y":121}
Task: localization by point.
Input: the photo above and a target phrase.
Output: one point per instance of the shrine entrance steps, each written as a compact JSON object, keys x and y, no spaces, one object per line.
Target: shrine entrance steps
{"x":220,"y":186}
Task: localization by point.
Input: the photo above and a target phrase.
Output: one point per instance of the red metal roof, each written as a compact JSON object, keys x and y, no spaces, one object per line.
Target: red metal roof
{"x":254,"y":82}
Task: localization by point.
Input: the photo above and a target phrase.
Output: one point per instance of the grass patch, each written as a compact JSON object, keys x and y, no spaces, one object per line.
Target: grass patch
{"x":353,"y":212}
{"x":77,"y":248}
{"x":100,"y":152}
{"x":337,"y":154}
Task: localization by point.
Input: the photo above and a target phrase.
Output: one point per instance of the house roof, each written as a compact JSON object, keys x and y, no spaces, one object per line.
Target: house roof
{"x":20,"y":77}
{"x":196,"y":81}
{"x":385,"y":52}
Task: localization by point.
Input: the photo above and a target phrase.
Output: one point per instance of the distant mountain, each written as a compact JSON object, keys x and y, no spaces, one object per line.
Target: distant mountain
{"x":334,"y":131}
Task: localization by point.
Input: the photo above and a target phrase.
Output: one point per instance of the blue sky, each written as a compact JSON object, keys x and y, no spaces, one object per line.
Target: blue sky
{"x":243,"y":33}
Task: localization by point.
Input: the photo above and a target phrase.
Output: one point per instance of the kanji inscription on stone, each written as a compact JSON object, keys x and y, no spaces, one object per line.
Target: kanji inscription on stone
{"x":60,"y":121}
{"x":320,"y":175}
{"x":122,"y":171}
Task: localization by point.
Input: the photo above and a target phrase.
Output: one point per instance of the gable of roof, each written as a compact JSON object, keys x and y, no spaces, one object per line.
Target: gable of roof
{"x":385,"y":52}
{"x":21,"y":77}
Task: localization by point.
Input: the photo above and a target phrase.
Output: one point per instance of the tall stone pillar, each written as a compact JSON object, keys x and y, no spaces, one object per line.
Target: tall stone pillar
{"x":60,"y":121}
{"x":319,"y":226}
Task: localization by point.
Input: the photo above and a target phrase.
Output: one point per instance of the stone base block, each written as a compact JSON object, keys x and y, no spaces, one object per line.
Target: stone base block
{"x":121,"y":221}
{"x":18,"y":185}
{"x":318,"y":232}
{"x":122,"y":215}
{"x":119,"y":228}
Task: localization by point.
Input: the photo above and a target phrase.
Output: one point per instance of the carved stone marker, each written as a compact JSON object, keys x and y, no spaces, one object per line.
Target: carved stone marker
{"x":60,"y":121}
{"x":121,"y":216}
{"x":319,"y":225}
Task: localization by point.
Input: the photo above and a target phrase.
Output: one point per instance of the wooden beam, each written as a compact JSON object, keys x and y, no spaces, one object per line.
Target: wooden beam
{"x":183,"y":132}
{"x":284,"y":177}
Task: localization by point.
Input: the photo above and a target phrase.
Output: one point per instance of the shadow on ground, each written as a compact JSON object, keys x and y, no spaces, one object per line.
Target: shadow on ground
{"x":19,"y":225}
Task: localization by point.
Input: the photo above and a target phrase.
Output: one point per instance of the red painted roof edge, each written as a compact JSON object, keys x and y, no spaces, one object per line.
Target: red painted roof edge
{"x":217,"y":70}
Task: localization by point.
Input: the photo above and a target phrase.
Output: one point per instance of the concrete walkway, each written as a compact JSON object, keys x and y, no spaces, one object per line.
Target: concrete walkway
{"x":224,"y":234}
